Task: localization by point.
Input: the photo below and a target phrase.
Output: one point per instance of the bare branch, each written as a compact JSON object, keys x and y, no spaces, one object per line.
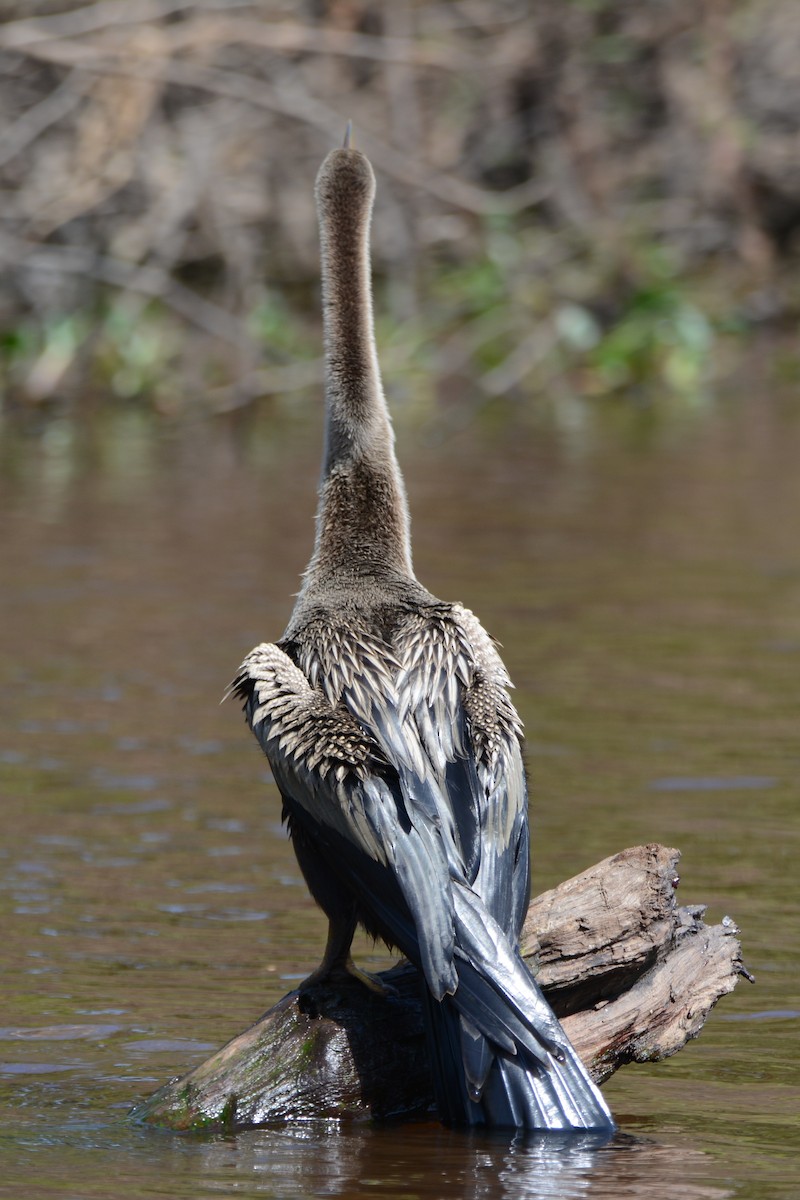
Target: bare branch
{"x":290,"y":99}
{"x":77,"y":22}
{"x":291,"y":37}
{"x":152,"y":281}
{"x":39,"y":117}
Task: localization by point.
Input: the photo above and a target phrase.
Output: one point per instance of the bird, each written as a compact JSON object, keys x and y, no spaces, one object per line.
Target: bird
{"x":386,"y":717}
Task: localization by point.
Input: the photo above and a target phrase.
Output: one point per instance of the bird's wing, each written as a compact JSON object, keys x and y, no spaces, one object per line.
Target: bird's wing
{"x":503,"y":879}
{"x":331,"y":768}
{"x":437,"y":704}
{"x":454,"y":699}
{"x":410,"y":754}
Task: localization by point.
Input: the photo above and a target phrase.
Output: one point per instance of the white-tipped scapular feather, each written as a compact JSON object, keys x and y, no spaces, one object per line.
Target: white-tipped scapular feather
{"x":386,"y":717}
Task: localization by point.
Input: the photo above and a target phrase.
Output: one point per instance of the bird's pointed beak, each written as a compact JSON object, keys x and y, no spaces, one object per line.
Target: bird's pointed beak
{"x":348,"y":133}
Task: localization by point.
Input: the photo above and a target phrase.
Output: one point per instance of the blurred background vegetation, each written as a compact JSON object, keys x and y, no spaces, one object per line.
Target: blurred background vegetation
{"x":589,"y":198}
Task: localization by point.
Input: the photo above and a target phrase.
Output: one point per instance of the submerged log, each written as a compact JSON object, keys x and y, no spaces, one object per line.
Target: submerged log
{"x":632,"y":976}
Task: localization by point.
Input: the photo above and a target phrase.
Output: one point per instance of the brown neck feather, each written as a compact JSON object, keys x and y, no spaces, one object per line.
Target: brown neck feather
{"x":362,"y":523}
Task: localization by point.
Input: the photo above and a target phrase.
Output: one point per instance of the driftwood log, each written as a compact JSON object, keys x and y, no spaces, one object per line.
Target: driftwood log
{"x":632,"y":976}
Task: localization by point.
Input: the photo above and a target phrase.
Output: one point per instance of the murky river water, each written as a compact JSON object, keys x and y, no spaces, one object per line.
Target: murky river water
{"x":643,"y":575}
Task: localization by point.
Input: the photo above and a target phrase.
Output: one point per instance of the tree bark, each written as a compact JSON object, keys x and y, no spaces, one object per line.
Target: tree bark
{"x":631,"y":975}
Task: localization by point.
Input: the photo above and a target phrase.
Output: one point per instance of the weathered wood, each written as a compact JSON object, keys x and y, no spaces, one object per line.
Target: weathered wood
{"x":668,"y":1005}
{"x":595,"y":934}
{"x":632,"y":976}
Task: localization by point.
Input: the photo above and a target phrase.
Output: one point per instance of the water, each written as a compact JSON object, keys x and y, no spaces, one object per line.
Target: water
{"x":643,"y":574}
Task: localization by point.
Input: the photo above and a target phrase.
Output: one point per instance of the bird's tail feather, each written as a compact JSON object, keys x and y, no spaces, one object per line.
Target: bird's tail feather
{"x":478,"y":1084}
{"x":499,"y":1055}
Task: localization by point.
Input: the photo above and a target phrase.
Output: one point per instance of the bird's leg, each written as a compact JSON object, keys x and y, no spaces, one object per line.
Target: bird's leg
{"x":337,"y":962}
{"x":339,"y":907}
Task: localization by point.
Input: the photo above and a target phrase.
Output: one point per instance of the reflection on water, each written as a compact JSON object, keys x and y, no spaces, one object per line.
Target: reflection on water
{"x":434,"y":1162}
{"x":412,"y":1163}
{"x":645,"y":582}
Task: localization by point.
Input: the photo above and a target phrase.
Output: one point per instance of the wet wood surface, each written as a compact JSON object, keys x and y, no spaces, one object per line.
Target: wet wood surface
{"x":632,"y":975}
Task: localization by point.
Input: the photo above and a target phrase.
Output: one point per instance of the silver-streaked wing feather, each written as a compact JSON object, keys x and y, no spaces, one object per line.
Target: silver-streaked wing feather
{"x":326,"y":764}
{"x":436,"y":701}
{"x":303,"y":734}
{"x":402,"y":695}
{"x":503,"y":878}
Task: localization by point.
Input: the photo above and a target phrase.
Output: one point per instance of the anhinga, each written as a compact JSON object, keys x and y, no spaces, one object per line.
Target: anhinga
{"x":386,"y":719}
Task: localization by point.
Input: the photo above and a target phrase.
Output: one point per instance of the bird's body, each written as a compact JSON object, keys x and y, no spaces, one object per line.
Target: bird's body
{"x":386,"y":717}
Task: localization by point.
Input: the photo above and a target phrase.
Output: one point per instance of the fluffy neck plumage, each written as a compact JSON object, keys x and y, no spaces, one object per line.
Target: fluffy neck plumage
{"x":362,"y":522}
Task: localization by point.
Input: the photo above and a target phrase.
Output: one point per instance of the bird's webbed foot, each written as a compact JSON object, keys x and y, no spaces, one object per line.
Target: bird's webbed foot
{"x":337,"y":968}
{"x":345,"y":971}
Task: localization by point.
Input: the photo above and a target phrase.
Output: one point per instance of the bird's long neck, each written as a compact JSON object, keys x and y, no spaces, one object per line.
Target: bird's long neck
{"x":362,"y":522}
